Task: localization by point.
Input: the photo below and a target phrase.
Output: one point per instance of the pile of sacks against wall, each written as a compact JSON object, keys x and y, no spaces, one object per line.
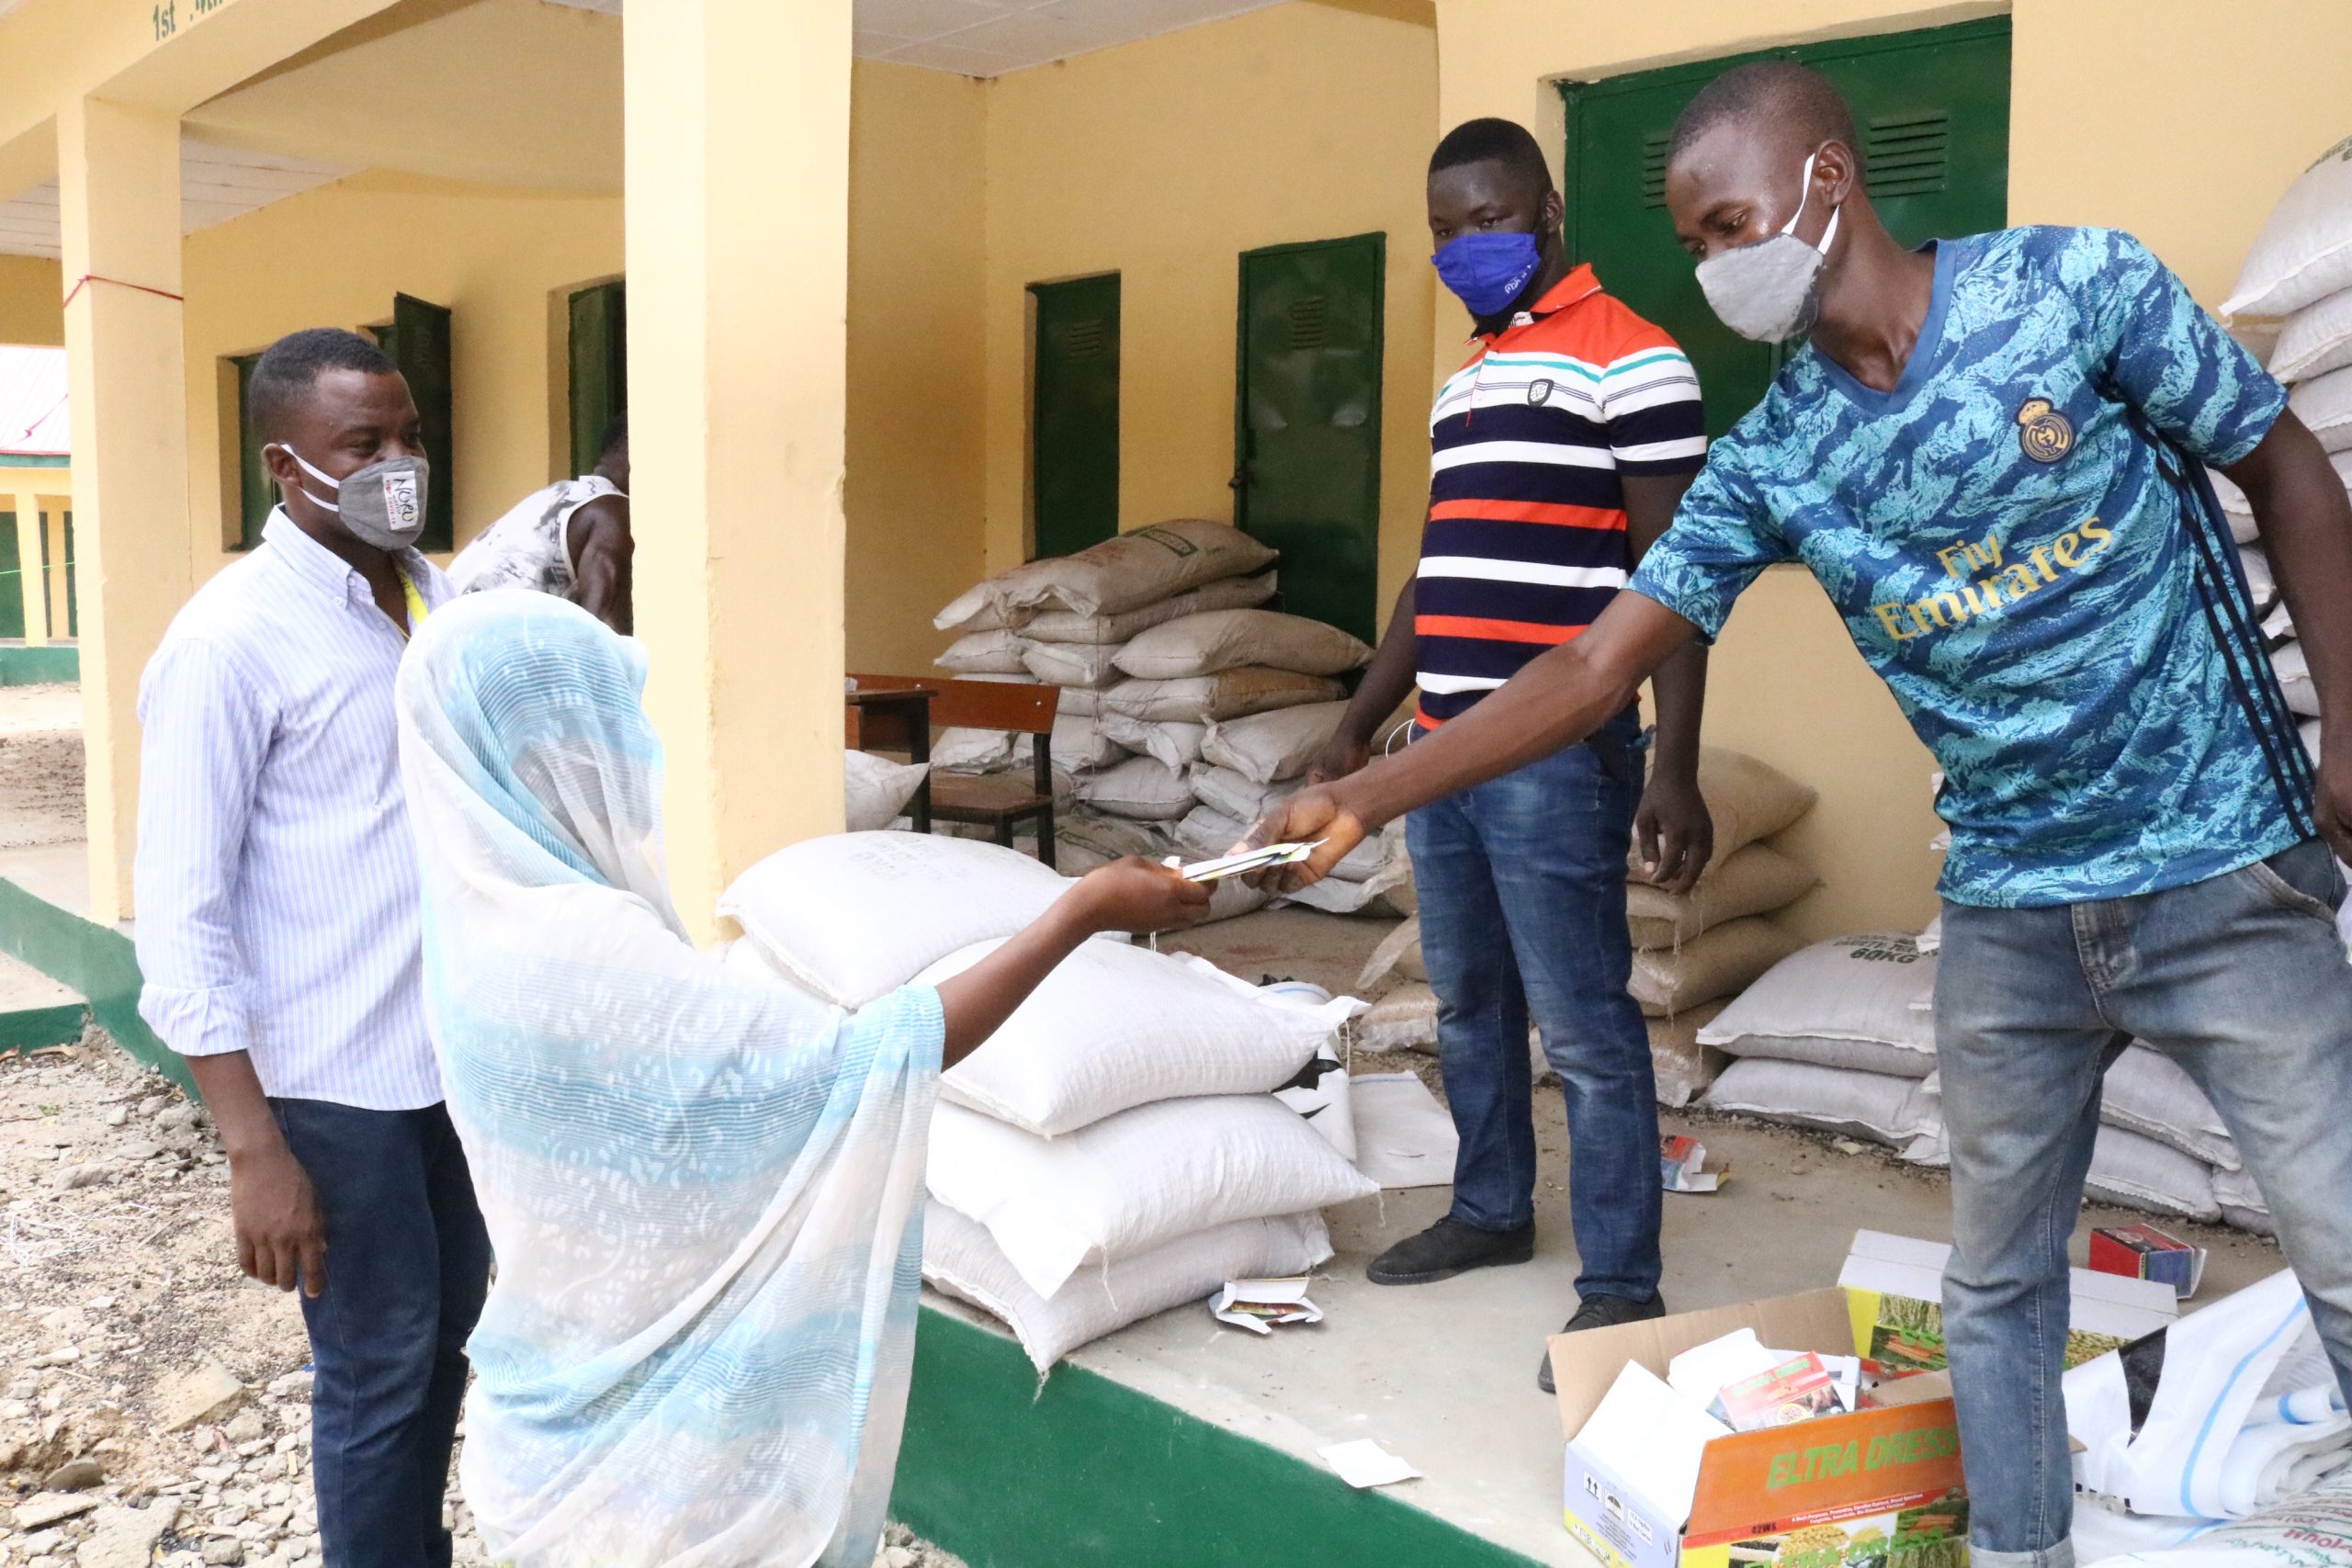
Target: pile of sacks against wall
{"x":1691,"y":950}
{"x":1185,"y":705}
{"x":1116,"y":1148}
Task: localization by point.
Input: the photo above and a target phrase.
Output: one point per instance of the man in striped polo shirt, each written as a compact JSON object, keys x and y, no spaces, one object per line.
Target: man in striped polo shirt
{"x":1559,"y":452}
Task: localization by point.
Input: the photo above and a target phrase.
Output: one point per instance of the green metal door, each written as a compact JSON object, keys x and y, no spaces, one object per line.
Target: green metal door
{"x":256,"y":491}
{"x":12,"y":583}
{"x":599,"y":368}
{"x":419,"y":346}
{"x":1306,"y":421}
{"x":1933,"y":106}
{"x":1074,"y":414}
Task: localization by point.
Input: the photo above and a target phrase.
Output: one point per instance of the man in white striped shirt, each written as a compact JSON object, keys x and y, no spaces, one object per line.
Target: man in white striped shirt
{"x":278,"y":936}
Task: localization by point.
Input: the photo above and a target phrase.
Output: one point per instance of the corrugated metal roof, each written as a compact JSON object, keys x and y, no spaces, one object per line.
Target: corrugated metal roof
{"x":33,"y":420}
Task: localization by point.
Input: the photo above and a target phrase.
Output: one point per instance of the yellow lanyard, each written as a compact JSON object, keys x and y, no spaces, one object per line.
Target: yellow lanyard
{"x":416,"y":606}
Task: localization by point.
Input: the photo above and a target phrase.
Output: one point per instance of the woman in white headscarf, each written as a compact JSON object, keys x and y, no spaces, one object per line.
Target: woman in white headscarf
{"x":699,"y":1188}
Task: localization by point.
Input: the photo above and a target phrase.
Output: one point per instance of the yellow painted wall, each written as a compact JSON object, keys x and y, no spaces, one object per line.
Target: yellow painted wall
{"x":1162,"y":160}
{"x":917,"y":422}
{"x":2177,"y":120}
{"x":30,"y":290}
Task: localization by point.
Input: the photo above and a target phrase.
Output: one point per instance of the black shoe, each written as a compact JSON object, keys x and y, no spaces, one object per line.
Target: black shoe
{"x":1450,"y":1247}
{"x":1601,"y":1312}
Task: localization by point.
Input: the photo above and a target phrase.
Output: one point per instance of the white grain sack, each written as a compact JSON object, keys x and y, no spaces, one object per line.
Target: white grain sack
{"x":2242,"y":1203}
{"x":1116,"y":1026}
{"x":1134,"y":1182}
{"x":876,"y":789}
{"x":2142,"y":1173}
{"x":1174,"y":745}
{"x":2304,"y":252}
{"x":1080,"y":744}
{"x":1067,"y":625}
{"x":1231,"y":694}
{"x":1754,"y":880}
{"x":2316,"y":339}
{"x":2149,"y":1093}
{"x":1387,"y":892}
{"x":1850,"y":1002}
{"x":1071,"y":663}
{"x":1136,"y":787}
{"x":1235,"y":795}
{"x":1747,"y":798}
{"x":1228,"y":639}
{"x":1206,"y":833}
{"x":962,"y":751}
{"x":2236,"y":507}
{"x":2324,"y":404}
{"x":1684,"y":1068}
{"x":1876,"y":1106}
{"x":961,"y":1259}
{"x":1714,"y":963}
{"x":2294,"y":672}
{"x":985,"y":653}
{"x":1270,"y":746}
{"x":1404,"y":1020}
{"x":1112,"y":838}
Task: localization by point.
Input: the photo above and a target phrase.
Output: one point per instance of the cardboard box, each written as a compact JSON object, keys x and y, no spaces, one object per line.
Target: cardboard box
{"x":1896,"y":1284}
{"x":1822,"y":1494}
{"x":2144,"y":1252}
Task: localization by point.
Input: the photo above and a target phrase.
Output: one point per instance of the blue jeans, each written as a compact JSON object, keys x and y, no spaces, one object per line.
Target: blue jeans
{"x":1522,"y":898}
{"x":407,"y":1265}
{"x":2242,"y":979}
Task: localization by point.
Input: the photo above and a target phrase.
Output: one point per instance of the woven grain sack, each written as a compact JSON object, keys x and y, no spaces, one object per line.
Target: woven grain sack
{"x":1077,"y":701}
{"x":1404,"y":1020}
{"x":1229,"y":639}
{"x":1713,"y":964}
{"x":876,"y":789}
{"x":1067,"y":625}
{"x":1117,"y":1026}
{"x":2304,"y":252}
{"x":1756,"y":880}
{"x":1134,"y":1182}
{"x":1206,"y":833}
{"x":1080,"y":744}
{"x":1235,"y":795}
{"x":2142,"y":1173}
{"x":1683,"y":1066}
{"x":1071,"y":663}
{"x":2242,"y":1203}
{"x":1398,"y":957}
{"x":1747,"y":798}
{"x":1876,"y":1106}
{"x":1853,"y":1001}
{"x":1175,"y":746}
{"x":1230,"y":693}
{"x":1270,"y":746}
{"x":1112,"y":838}
{"x":1140,"y":568}
{"x":2316,"y":339}
{"x":2149,"y":1093}
{"x":2236,"y":507}
{"x":856,"y":915}
{"x":985,"y":653}
{"x":2324,"y":404}
{"x":963,"y":750}
{"x":1138,"y":787}
{"x":2308,"y":730}
{"x":2294,"y":671}
{"x":1384,"y":894}
{"x":961,"y":1259}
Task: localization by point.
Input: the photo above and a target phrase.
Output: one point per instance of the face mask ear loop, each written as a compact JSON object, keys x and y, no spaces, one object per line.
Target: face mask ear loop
{"x":334,"y":506}
{"x":1804,"y":195}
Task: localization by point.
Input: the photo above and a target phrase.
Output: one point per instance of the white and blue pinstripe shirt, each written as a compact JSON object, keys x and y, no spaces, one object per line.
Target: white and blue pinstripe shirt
{"x":275,"y":880}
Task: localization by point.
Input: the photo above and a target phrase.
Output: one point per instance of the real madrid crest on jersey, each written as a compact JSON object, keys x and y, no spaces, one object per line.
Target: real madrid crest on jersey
{"x":1539,"y":394}
{"x":2044,"y":431}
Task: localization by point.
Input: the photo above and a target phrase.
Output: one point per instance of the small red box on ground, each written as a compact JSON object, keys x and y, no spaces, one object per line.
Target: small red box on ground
{"x":2144,"y":1252}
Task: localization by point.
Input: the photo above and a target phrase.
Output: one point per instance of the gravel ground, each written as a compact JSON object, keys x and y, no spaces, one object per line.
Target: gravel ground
{"x":40,"y":765}
{"x":153,"y":1402}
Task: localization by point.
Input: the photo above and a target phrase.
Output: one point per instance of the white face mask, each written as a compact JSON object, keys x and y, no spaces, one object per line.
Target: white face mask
{"x":381,"y":504}
{"x":1771,"y":290}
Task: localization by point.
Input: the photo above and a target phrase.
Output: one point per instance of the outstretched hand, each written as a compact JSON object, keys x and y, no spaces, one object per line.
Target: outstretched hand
{"x":1135,"y":894}
{"x":1313,"y":814}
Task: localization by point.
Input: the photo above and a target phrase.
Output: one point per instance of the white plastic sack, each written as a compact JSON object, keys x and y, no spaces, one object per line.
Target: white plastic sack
{"x":1228,"y":639}
{"x":2294,"y":672}
{"x":1270,"y":746}
{"x":1235,"y":795}
{"x":1748,"y":800}
{"x":2234,"y":507}
{"x":965,"y":750}
{"x":1754,"y":880}
{"x":1134,"y":1182}
{"x":2259,"y":582}
{"x":2304,"y":252}
{"x":1713,"y":964}
{"x":1849,"y":1002}
{"x":2310,"y":1531}
{"x":1230,"y":593}
{"x":984,"y":653}
{"x":856,"y":915}
{"x":1683,"y":1067}
{"x":1081,"y":743}
{"x":2241,"y":1201}
{"x":1932,"y":939}
{"x":1206,"y":833}
{"x":1071,"y":663}
{"x":1387,"y":892}
{"x":1319,"y":1091}
{"x":876,"y":789}
{"x":2149,"y":1093}
{"x":2140,"y":1173}
{"x":1174,"y":745}
{"x":1112,"y":838}
{"x":1230,"y":693}
{"x":1876,"y":1106}
{"x":2324,"y":404}
{"x":960,"y":1258}
{"x":1398,"y":957}
{"x":2316,"y":339}
{"x":1404,"y":1020}
{"x":1138,"y":787}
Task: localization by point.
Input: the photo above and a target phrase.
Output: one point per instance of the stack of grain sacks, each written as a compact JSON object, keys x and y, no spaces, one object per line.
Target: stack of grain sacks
{"x":1116,"y":1147}
{"x":1691,"y":950}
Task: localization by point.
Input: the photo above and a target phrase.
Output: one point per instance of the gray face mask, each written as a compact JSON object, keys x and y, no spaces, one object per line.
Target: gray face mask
{"x":381,"y":504}
{"x":1770,"y":291}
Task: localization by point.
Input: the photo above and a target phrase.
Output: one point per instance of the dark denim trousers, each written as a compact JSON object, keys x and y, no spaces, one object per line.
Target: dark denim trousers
{"x":1523,"y":899}
{"x":2242,"y":979}
{"x":407,"y":1265}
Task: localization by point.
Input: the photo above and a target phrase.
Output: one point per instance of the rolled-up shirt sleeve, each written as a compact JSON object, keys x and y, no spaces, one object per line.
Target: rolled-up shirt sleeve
{"x":205,"y":733}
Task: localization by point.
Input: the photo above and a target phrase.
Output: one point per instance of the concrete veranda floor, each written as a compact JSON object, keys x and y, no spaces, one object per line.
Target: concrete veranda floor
{"x":1444,"y":1375}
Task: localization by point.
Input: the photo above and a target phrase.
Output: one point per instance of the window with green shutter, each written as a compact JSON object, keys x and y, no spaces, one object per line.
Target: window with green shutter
{"x":599,"y":356}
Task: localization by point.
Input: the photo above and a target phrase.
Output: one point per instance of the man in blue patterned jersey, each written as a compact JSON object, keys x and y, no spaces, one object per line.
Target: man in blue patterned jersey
{"x":1989,"y":454}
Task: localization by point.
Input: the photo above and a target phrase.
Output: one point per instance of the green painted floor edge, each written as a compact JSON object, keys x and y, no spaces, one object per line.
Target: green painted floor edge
{"x":32,"y":1029}
{"x":40,"y":666}
{"x":95,"y":961}
{"x":1091,"y":1471}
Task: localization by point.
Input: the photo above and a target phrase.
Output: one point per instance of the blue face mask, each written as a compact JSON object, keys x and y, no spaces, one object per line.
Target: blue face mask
{"x":1488,"y":271}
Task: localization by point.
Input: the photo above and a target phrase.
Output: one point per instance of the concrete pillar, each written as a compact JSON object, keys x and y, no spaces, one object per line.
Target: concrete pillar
{"x":62,"y":619}
{"x":738,"y":201}
{"x":119,"y":188}
{"x":31,"y":581}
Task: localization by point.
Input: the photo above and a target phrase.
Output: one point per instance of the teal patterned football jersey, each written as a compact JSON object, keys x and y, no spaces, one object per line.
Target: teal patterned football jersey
{"x":2023,"y":545}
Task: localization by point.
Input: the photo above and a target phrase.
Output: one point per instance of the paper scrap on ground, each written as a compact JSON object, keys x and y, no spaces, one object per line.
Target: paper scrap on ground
{"x":1654,"y":1438}
{"x":1366,"y":1463}
{"x":1404,"y":1137}
{"x":1259,"y":1304}
{"x":1683,"y":1163}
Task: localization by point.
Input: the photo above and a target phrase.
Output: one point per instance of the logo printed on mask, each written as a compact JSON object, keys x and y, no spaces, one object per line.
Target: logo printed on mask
{"x":2044,"y":431}
{"x":1487,"y":272}
{"x":1539,"y":394}
{"x":403,"y":503}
